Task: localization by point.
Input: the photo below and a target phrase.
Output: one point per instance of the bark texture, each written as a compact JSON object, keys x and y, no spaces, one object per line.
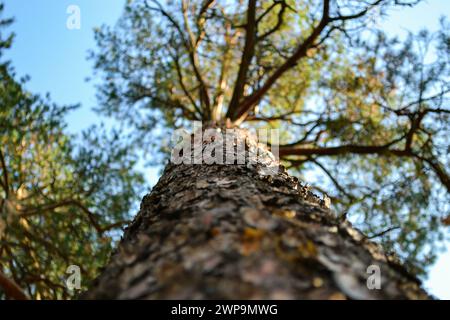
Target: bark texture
{"x":235,"y":232}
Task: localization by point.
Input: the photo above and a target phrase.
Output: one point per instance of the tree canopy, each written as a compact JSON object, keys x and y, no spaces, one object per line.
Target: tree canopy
{"x":61,"y":197}
{"x":362,"y":113}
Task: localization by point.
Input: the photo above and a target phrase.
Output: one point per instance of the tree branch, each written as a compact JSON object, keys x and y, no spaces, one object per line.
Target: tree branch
{"x":5,"y":183}
{"x":356,"y":15}
{"x":280,"y":19}
{"x":70,"y":202}
{"x":183,"y":86}
{"x":224,"y":69}
{"x":247,"y":55}
{"x":438,"y":169}
{"x":332,"y":151}
{"x":364,"y":149}
{"x":299,"y":53}
{"x":11,"y":289}
{"x":200,"y":21}
{"x":333,"y":179}
{"x":189,"y":45}
{"x":382,"y":233}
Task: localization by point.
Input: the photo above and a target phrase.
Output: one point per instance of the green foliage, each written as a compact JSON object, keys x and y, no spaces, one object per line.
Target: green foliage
{"x":387,"y":92}
{"x":62,"y":199}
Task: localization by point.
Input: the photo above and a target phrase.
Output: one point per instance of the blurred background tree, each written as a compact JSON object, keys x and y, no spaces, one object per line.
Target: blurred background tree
{"x":364,"y":116}
{"x":63,"y":199}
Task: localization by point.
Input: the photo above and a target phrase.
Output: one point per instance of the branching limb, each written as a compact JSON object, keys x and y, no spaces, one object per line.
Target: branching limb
{"x":193,"y":57}
{"x":382,"y":233}
{"x":355,"y":15}
{"x":332,"y":178}
{"x":247,"y":55}
{"x":5,"y":183}
{"x":11,"y":289}
{"x":190,"y":47}
{"x":200,"y":21}
{"x":364,"y":150}
{"x":224,"y":70}
{"x":72,"y":202}
{"x":280,"y":20}
{"x":299,"y":53}
{"x":183,"y":85}
{"x":438,"y":169}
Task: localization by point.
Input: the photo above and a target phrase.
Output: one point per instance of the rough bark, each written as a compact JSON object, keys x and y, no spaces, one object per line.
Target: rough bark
{"x":234,"y":232}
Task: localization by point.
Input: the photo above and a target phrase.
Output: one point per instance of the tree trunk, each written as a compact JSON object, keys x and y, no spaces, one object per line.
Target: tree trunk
{"x":234,"y":232}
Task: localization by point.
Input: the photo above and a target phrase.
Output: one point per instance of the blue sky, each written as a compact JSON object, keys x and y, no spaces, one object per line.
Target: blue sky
{"x":55,"y":58}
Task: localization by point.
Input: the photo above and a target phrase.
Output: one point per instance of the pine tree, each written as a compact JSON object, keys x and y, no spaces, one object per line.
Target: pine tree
{"x":366,"y":110}
{"x":61,"y":197}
